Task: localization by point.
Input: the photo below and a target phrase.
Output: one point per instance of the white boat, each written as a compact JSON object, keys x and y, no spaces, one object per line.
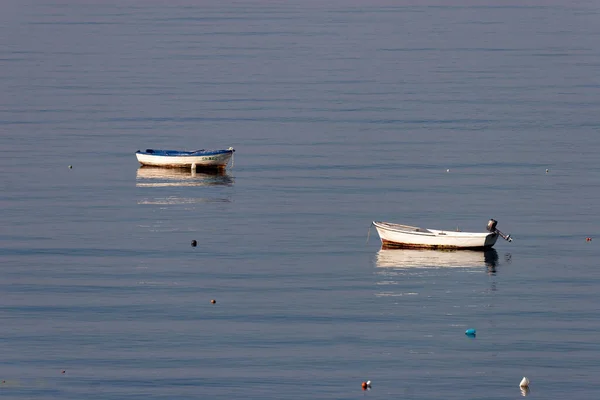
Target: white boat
{"x":425,"y":258}
{"x":396,"y":236}
{"x":217,"y":159}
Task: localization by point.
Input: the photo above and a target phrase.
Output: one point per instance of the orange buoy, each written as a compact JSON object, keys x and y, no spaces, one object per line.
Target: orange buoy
{"x":213,"y":301}
{"x":366,"y":385}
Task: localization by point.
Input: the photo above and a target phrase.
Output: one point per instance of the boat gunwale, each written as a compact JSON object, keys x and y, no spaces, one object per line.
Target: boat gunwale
{"x":414,"y":230}
{"x":183,"y":154}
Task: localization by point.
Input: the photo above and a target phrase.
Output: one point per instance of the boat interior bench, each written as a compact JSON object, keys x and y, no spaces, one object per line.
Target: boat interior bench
{"x":410,"y":228}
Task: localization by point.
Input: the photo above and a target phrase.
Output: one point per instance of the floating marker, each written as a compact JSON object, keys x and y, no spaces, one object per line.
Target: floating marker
{"x":70,"y":167}
{"x":524,"y":382}
{"x":448,"y":170}
{"x":470,"y":332}
{"x":213,"y":301}
{"x":366,"y":385}
{"x":194,"y":243}
{"x":547,"y":170}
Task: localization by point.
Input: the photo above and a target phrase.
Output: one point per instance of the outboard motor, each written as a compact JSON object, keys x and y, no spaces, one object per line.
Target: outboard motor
{"x":491,"y":226}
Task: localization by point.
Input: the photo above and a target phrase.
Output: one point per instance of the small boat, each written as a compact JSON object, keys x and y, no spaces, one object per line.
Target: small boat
{"x":396,"y":236}
{"x":210,"y":159}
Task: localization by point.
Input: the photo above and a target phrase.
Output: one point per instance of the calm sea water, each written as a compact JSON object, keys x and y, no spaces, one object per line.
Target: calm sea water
{"x":341,"y":113}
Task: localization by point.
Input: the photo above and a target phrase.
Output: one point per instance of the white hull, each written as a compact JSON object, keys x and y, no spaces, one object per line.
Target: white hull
{"x":404,"y":236}
{"x":207,"y":161}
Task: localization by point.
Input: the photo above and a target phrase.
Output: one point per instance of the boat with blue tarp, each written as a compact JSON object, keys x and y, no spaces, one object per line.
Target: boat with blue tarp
{"x":214,"y":159}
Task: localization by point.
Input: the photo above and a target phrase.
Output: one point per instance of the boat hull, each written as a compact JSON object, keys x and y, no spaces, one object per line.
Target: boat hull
{"x":395,"y":236}
{"x":214,"y":160}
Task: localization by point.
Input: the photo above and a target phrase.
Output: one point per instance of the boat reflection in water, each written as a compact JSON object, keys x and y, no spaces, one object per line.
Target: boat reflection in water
{"x":164,"y":177}
{"x":437,"y":259}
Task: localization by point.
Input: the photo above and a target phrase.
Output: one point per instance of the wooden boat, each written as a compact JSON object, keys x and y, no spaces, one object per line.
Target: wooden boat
{"x":426,"y":258}
{"x":208,"y":159}
{"x":405,"y":236}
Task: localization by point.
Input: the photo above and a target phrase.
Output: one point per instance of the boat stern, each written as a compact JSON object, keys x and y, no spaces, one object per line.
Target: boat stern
{"x":490,"y":240}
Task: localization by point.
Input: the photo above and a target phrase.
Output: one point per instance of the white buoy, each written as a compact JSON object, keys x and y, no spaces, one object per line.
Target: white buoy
{"x":547,"y":170}
{"x":524,"y":382}
{"x":448,"y":170}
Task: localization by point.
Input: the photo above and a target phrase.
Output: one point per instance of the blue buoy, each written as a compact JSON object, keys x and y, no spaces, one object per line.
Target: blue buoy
{"x":470,"y":332}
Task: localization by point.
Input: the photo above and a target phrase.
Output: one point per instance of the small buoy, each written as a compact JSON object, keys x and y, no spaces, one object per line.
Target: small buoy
{"x":547,"y":170}
{"x":448,"y":170}
{"x":470,"y":332}
{"x":213,"y":301}
{"x":194,"y":243}
{"x":366,"y":385}
{"x":70,"y":167}
{"x":63,"y":371}
{"x":524,"y":382}
{"x":588,"y":239}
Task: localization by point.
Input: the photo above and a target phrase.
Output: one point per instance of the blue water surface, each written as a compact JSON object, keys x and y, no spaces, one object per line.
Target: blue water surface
{"x":341,"y":113}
